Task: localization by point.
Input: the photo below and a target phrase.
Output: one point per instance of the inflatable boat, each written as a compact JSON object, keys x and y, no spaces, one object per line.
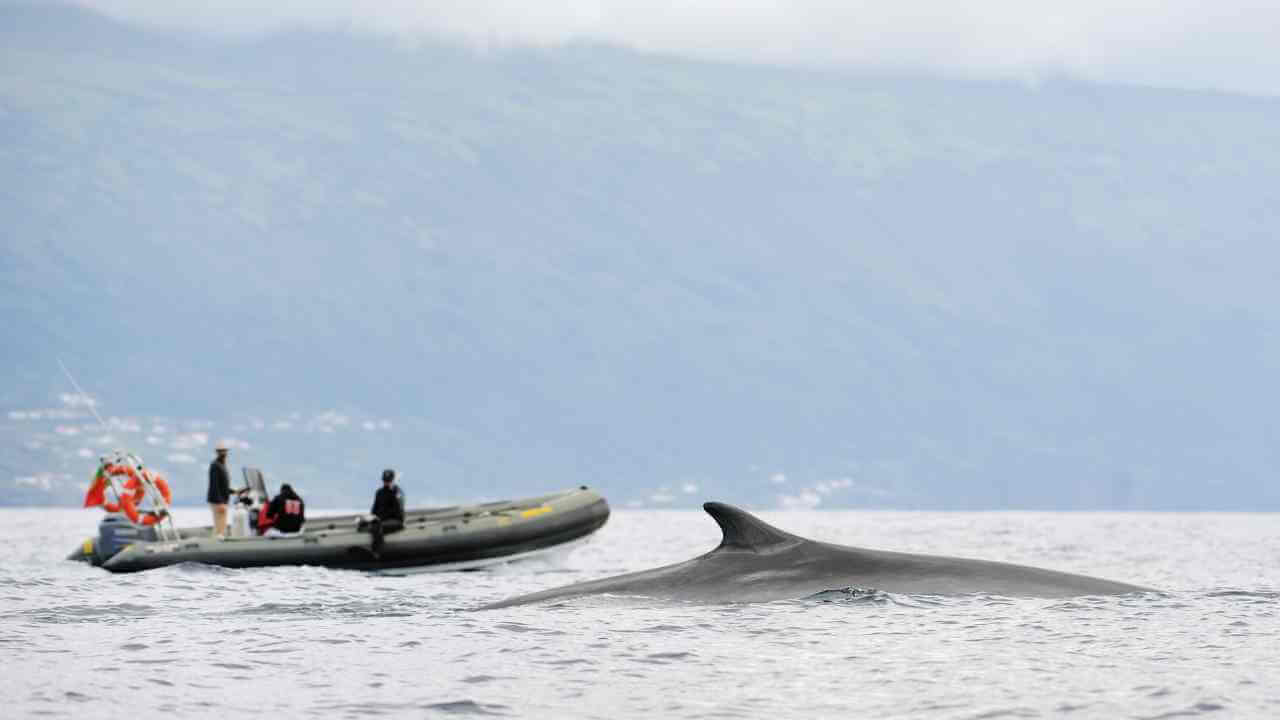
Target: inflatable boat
{"x":432,"y":539}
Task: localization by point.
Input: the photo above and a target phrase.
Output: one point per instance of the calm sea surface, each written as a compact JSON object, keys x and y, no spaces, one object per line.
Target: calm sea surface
{"x":207,"y":642}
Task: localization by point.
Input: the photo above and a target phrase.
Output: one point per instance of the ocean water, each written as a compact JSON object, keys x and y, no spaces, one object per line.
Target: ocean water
{"x":207,"y":642}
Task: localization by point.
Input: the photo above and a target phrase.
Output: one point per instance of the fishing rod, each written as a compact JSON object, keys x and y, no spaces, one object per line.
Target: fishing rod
{"x":133,"y":459}
{"x":83,"y":396}
{"x":80,"y":393}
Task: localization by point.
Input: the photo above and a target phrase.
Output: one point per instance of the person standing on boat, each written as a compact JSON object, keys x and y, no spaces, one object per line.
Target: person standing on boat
{"x":388,"y":509}
{"x":219,"y":489}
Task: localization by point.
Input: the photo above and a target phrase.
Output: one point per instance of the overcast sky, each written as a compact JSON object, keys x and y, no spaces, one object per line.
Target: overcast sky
{"x":1215,"y":44}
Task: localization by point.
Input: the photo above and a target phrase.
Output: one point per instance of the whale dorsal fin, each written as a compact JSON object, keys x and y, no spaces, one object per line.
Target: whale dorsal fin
{"x":745,"y":531}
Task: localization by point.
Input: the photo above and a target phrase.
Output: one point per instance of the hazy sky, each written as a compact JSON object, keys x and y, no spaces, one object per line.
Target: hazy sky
{"x":1217,"y":44}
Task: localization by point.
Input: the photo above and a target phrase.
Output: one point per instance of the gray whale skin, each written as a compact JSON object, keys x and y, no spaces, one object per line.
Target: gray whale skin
{"x":756,"y":562}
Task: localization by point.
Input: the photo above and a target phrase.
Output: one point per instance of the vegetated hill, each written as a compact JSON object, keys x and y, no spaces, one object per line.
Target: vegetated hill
{"x":588,"y":265}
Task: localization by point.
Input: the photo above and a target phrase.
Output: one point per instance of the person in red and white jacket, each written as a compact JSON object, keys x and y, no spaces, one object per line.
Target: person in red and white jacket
{"x":285,"y":514}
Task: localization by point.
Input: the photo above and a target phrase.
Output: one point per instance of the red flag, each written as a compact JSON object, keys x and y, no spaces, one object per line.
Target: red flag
{"x":97,"y":494}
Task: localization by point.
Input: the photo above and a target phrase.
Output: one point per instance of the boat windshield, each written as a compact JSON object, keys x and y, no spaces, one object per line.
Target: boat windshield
{"x":257,"y":485}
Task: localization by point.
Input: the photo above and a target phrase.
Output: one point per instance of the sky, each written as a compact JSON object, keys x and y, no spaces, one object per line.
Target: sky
{"x":1226,"y":45}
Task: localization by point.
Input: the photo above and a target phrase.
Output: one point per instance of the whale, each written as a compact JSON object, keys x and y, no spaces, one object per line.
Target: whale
{"x":756,"y":562}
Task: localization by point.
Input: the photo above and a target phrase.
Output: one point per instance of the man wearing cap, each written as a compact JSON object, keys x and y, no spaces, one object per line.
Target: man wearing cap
{"x":219,"y":490}
{"x":387,"y":510}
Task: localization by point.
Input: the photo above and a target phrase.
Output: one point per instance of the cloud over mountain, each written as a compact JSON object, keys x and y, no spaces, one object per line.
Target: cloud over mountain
{"x":1173,"y":43}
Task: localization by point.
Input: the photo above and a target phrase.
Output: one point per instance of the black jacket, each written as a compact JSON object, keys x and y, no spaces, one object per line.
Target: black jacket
{"x":219,"y":483}
{"x":388,"y":504}
{"x":289,"y":512}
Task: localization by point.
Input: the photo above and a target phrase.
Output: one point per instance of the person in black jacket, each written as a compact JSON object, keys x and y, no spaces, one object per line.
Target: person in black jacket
{"x":387,"y":510}
{"x":388,"y":503}
{"x":219,"y":490}
{"x":287,"y":511}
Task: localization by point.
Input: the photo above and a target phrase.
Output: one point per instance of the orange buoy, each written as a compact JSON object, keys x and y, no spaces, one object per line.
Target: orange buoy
{"x":135,"y":491}
{"x":163,"y":486}
{"x":130,"y":508}
{"x":133,"y":483}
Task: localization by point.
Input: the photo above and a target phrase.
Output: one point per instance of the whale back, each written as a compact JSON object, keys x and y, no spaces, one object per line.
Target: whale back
{"x":744,"y":531}
{"x":757,"y":562}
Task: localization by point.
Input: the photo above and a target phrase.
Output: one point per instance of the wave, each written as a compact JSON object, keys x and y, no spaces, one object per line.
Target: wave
{"x":872,"y":596}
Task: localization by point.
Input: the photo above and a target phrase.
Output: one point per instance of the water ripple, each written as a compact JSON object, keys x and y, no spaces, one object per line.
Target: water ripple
{"x":200,"y":642}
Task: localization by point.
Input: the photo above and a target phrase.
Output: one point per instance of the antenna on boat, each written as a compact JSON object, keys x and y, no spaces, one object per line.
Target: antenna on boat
{"x":134,"y":460}
{"x":88,"y":401}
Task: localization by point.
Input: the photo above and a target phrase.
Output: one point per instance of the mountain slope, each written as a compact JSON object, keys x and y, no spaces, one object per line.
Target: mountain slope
{"x":588,"y":265}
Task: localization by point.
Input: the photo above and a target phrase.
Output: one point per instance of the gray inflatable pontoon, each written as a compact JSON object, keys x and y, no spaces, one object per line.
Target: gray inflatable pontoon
{"x":446,"y":538}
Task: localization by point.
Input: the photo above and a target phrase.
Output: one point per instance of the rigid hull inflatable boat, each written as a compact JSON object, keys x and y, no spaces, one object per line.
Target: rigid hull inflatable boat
{"x":445,"y":538}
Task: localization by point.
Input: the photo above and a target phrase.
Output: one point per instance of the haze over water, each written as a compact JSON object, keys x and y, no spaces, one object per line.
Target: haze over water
{"x":208,"y":642}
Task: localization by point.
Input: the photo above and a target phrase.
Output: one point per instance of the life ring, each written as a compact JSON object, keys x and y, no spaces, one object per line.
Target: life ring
{"x":163,"y":486}
{"x":122,"y":470}
{"x":130,"y":509}
{"x":159,"y":483}
{"x":133,"y":483}
{"x":139,"y":490}
{"x":134,"y":488}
